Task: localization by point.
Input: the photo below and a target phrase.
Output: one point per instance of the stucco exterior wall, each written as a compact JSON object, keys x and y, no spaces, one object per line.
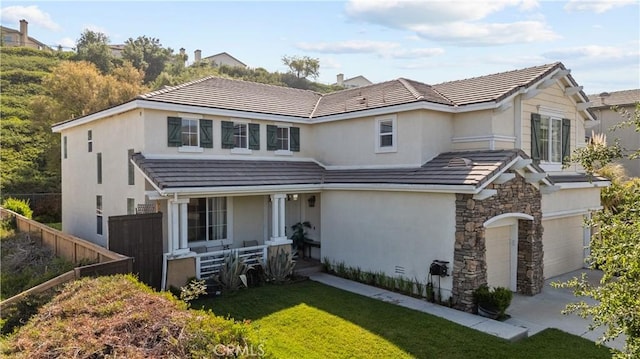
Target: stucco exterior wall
{"x":628,"y":137}
{"x":248,"y":220}
{"x":380,"y":231}
{"x":112,"y":138}
{"x":577,"y":199}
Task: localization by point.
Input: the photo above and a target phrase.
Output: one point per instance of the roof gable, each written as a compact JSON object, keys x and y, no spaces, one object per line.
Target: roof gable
{"x":615,"y":98}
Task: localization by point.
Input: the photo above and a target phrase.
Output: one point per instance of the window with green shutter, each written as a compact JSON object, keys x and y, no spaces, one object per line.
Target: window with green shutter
{"x":226,"y":133}
{"x":550,"y":138}
{"x":206,"y":133}
{"x":174,"y":131}
{"x":294,"y":133}
{"x":254,"y":136}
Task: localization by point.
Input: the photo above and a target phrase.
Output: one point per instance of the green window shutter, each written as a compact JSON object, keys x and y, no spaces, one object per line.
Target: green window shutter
{"x":206,"y":133}
{"x":174,"y":131}
{"x":294,"y":133}
{"x":535,"y":137}
{"x":254,"y":136}
{"x":272,"y":138}
{"x":227,"y":135}
{"x":566,"y":138}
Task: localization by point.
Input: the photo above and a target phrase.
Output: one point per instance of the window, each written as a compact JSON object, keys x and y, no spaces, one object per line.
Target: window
{"x":99,"y":165}
{"x":99,"y":214}
{"x":207,"y":219}
{"x":550,"y":138}
{"x":131,"y":170}
{"x":131,"y":206}
{"x":283,"y":138}
{"x":90,"y":141}
{"x":386,"y":134}
{"x":189,"y":132}
{"x":240,"y":135}
{"x":64,"y":147}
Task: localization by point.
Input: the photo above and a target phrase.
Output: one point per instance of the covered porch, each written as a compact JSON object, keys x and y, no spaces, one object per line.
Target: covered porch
{"x":214,"y":207}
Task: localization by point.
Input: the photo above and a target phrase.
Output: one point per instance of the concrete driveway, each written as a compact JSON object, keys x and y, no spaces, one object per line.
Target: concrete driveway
{"x":545,"y":310}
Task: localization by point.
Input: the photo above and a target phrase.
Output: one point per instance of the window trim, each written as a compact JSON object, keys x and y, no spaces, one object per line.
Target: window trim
{"x":246,"y":129}
{"x":217,"y":242}
{"x":188,"y":148}
{"x":394,"y":134}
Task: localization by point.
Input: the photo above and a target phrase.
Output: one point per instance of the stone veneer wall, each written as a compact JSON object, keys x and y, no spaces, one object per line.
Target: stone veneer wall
{"x":470,"y":267}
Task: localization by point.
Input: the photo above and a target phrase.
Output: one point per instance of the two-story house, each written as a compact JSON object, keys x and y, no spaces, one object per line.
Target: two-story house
{"x":13,"y":38}
{"x":391,"y":176}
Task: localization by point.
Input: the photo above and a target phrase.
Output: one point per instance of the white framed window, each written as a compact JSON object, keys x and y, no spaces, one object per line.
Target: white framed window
{"x":240,"y":136}
{"x":282,"y":138}
{"x":64,"y":147}
{"x":551,"y":139}
{"x":386,"y":134}
{"x":131,"y":206}
{"x":189,"y":132}
{"x":209,"y":220}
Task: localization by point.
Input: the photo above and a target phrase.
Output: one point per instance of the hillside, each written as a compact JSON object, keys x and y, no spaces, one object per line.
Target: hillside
{"x":119,"y":317}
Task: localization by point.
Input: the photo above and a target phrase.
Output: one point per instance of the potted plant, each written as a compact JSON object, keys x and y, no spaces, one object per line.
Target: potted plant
{"x":492,"y":303}
{"x":299,"y":234}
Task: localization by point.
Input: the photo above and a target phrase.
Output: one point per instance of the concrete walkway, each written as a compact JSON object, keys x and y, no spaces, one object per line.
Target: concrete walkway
{"x":499,"y":329}
{"x":529,"y":315}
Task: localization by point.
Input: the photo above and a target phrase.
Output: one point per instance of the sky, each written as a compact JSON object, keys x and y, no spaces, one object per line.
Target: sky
{"x":427,"y":41}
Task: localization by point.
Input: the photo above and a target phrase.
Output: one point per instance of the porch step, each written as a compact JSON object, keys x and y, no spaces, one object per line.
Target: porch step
{"x":307,"y":271}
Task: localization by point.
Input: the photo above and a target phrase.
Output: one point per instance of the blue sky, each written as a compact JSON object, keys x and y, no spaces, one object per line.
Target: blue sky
{"x":427,"y":41}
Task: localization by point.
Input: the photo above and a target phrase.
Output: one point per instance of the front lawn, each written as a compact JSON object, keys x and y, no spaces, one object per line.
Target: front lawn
{"x":311,"y":320}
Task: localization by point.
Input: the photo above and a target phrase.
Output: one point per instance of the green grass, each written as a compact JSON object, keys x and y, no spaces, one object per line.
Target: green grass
{"x":311,"y":320}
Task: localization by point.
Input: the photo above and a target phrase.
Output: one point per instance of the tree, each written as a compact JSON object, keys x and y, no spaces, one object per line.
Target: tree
{"x":614,"y":249}
{"x":93,"y":47}
{"x":302,"y":67}
{"x":148,"y":55}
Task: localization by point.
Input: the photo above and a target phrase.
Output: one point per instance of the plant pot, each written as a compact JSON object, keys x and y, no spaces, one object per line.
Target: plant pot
{"x":487,"y":313}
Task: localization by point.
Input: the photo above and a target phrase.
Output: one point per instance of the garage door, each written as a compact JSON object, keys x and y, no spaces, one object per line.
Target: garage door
{"x":498,"y":256}
{"x":563,"y":245}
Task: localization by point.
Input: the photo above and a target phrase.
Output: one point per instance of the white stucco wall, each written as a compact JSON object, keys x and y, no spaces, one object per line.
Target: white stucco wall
{"x":566,"y":200}
{"x":112,"y":137}
{"x":378,"y":231}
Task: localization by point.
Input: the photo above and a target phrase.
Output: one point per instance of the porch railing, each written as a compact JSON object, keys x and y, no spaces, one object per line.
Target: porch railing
{"x":209,"y":263}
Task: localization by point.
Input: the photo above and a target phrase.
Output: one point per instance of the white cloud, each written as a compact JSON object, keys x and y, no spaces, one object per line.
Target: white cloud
{"x":380,"y":48}
{"x":482,"y":34}
{"x":597,"y":6}
{"x":67,"y":43}
{"x":329,"y":63}
{"x":33,"y":15}
{"x":597,"y":53}
{"x":458,"y":22}
{"x":94,"y":28}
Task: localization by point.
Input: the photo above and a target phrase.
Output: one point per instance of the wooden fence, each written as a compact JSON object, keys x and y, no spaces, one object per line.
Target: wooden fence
{"x":71,"y":248}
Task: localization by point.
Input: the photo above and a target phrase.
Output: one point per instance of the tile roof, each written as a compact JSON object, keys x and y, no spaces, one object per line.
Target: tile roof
{"x":181,"y":173}
{"x":185,"y":173}
{"x":222,"y":93}
{"x":626,"y":97}
{"x":494,"y":87}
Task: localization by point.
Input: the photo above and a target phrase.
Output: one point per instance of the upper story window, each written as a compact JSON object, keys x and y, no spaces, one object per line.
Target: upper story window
{"x":99,"y":167}
{"x":283,"y":139}
{"x":240,"y":136}
{"x":189,"y":133}
{"x":386,"y":134}
{"x":550,"y":138}
{"x":64,"y":147}
{"x":131,"y":178}
{"x":90,"y":141}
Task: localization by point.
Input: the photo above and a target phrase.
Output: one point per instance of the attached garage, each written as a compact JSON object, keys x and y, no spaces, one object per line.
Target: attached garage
{"x":563,"y":244}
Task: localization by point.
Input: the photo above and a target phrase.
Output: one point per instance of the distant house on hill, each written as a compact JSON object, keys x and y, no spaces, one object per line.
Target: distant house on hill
{"x":357,"y":81}
{"x":116,"y":50}
{"x":15,"y":38}
{"x":629,"y":139}
{"x":220,"y":59}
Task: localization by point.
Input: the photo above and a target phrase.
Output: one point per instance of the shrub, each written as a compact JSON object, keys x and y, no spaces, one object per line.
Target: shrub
{"x":279,"y":267}
{"x":19,"y":206}
{"x":496,"y":300}
{"x":233,"y":273}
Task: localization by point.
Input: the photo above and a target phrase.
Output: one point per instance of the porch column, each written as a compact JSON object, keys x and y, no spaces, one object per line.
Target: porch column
{"x":278,"y":234}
